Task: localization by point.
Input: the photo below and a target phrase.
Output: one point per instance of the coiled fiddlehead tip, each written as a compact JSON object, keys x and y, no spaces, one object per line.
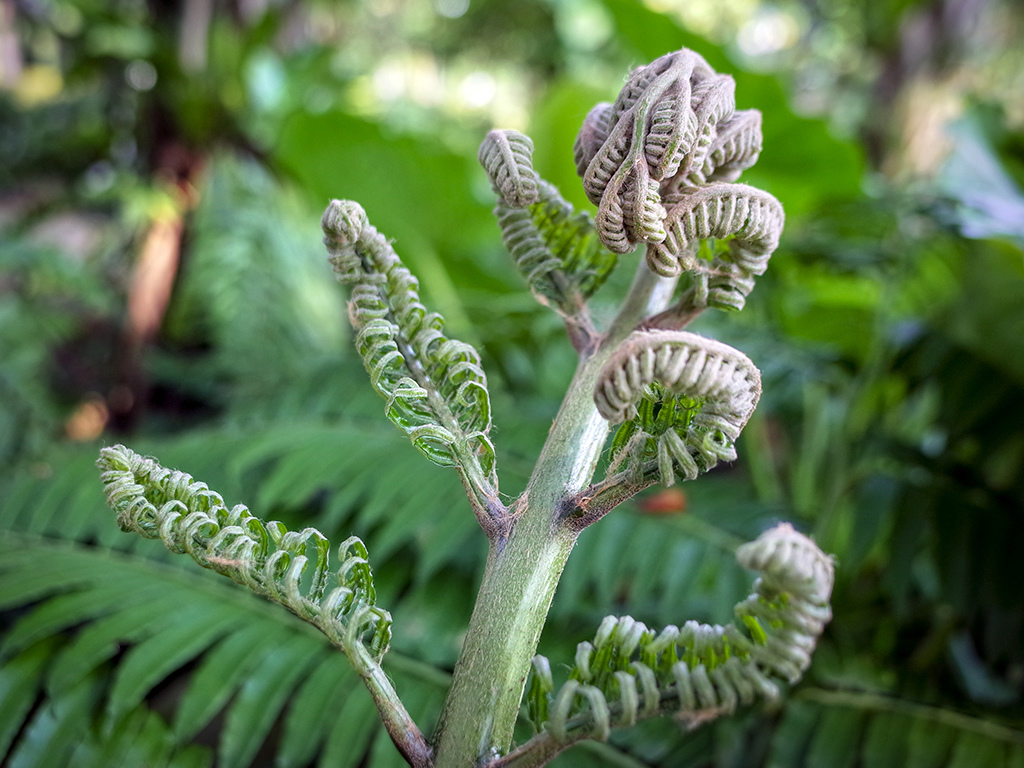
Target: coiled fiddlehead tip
{"x":698,"y":671}
{"x":784,"y":554}
{"x":684,"y":398}
{"x":507,"y":156}
{"x":343,"y":222}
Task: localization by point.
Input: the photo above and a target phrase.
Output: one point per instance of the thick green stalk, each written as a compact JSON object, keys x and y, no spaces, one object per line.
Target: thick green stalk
{"x":523,"y":569}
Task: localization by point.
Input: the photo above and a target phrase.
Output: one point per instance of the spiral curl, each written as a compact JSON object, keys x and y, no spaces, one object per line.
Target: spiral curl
{"x":556,"y":249}
{"x":189,"y":518}
{"x":591,"y":135}
{"x":698,"y":671}
{"x":751,"y":220}
{"x":683,"y":398}
{"x":736,"y":147}
{"x":507,"y":156}
{"x":435,"y":388}
{"x":662,"y":125}
{"x":646,"y":161}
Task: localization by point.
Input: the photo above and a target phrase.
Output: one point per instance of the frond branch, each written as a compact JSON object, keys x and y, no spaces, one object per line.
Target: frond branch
{"x":189,"y":518}
{"x":554,"y":247}
{"x":435,"y":387}
{"x":697,"y":672}
{"x":682,"y":401}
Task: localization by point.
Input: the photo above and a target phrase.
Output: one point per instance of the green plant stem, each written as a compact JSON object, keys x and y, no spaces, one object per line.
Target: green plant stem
{"x":523,"y":568}
{"x":399,"y":724}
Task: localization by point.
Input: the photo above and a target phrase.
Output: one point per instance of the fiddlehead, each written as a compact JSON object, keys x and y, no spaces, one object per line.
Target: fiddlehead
{"x":189,"y":518}
{"x":661,"y":125}
{"x":646,"y":162}
{"x":735,"y":148}
{"x":507,"y":156}
{"x":435,"y":388}
{"x":749,"y":219}
{"x":682,"y":401}
{"x":698,"y":671}
{"x":555,"y":248}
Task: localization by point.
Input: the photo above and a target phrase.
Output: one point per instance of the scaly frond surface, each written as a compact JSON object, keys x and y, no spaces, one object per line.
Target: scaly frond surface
{"x":555,"y":248}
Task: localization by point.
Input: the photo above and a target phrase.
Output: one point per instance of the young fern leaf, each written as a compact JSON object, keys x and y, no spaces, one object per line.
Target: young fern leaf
{"x":435,"y":388}
{"x":591,"y":135}
{"x":555,"y":248}
{"x":682,"y":400}
{"x":662,"y":126}
{"x":699,"y":671}
{"x":736,"y":147}
{"x":189,"y":518}
{"x":749,"y":218}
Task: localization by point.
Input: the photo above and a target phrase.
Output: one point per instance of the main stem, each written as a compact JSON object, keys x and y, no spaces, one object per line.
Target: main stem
{"x":523,"y":568}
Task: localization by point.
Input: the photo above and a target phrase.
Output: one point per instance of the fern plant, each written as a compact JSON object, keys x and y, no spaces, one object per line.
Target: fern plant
{"x":661,"y":164}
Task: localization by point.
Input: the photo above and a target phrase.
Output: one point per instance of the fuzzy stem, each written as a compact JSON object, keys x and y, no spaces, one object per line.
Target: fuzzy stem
{"x":399,"y":724}
{"x":523,"y":568}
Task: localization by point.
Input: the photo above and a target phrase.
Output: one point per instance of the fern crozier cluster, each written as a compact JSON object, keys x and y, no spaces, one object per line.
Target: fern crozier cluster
{"x":659,"y":162}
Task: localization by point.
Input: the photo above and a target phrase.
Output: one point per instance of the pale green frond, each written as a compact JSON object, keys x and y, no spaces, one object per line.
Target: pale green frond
{"x":434,"y":386}
{"x":268,"y":558}
{"x":698,"y":671}
{"x":253,"y":664}
{"x":555,"y":248}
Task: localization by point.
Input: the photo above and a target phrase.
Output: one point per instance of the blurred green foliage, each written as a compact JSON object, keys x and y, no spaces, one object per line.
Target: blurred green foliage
{"x":889,"y":329}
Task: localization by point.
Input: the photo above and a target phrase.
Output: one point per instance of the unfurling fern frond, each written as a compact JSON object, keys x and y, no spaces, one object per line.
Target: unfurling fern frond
{"x":189,"y":518}
{"x":435,"y":388}
{"x":661,"y":127}
{"x":713,"y":101}
{"x":555,"y":248}
{"x":699,"y":671}
{"x":682,"y":400}
{"x":749,"y":218}
{"x":736,"y":147}
{"x":507,"y":156}
{"x":591,"y":135}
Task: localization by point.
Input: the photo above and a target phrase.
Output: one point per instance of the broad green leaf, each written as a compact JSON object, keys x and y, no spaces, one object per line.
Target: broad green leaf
{"x":313,"y":709}
{"x":355,"y":724}
{"x":197,"y":626}
{"x":64,"y":611}
{"x":263,"y":695}
{"x":102,"y":639}
{"x":221,"y":672}
{"x":790,"y":740}
{"x":20,"y":679}
{"x":885,"y":741}
{"x":972,"y":750}
{"x":836,"y":738}
{"x":928,"y":744}
{"x":56,"y":726}
{"x":25,"y":582}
